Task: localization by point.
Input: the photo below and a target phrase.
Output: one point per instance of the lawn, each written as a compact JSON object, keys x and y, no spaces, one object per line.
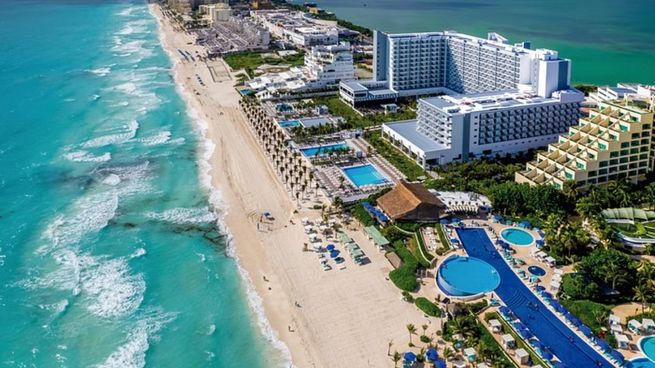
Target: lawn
{"x":250,"y":60}
{"x":340,"y":108}
{"x":403,"y":163}
{"x":590,"y":313}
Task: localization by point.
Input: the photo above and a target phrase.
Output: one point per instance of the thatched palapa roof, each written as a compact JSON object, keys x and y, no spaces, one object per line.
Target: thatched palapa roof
{"x":406,"y":198}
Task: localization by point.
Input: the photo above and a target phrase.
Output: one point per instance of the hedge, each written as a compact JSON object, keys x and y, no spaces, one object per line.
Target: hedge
{"x":428,"y":307}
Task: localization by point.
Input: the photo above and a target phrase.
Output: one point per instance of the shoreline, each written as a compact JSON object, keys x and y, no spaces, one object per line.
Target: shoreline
{"x":304,"y":312}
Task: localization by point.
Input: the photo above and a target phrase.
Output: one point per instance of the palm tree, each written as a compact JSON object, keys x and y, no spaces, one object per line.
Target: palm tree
{"x":642,"y":295}
{"x":395,"y":358}
{"x":411,"y":329}
{"x":448,"y":353}
{"x":424,"y":327}
{"x":389,"y":345}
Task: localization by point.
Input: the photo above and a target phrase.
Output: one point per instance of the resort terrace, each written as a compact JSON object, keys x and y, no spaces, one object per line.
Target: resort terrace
{"x":555,"y":335}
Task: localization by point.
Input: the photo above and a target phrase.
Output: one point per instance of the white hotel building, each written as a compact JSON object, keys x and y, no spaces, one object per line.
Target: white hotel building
{"x":454,"y":128}
{"x":325,"y":67}
{"x":502,"y":98}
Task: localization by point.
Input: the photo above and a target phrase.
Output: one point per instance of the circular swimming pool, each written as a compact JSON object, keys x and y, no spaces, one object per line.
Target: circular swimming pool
{"x":466,"y":276}
{"x":647,"y":346}
{"x":641,"y":363}
{"x":518,"y":237}
{"x":536,"y":270}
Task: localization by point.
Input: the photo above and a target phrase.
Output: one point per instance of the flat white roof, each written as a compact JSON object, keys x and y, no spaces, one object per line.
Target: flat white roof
{"x":407,"y":130}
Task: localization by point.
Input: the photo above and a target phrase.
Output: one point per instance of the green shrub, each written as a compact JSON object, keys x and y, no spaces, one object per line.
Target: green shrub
{"x":408,"y":297}
{"x":428,"y":307}
{"x":404,"y":278}
{"x":424,"y":339}
{"x":576,"y":287}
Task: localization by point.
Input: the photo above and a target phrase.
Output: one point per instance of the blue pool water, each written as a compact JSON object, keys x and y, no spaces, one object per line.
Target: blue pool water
{"x":245,"y":91}
{"x":466,"y":276}
{"x":289,"y":123}
{"x":547,"y":327}
{"x":647,"y":346}
{"x":536,"y":270}
{"x":364,"y":175}
{"x":322,"y":150}
{"x":641,"y":363}
{"x":517,"y":237}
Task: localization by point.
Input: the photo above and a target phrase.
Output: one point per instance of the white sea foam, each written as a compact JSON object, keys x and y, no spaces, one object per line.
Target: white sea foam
{"x":85,"y":156}
{"x":58,"y":307}
{"x":212,"y":329}
{"x":110,"y":289}
{"x":159,"y":138}
{"x":102,"y":71}
{"x":138,"y":253}
{"x":91,"y":213}
{"x":132,"y":353}
{"x":184,"y":215}
{"x":112,"y":179}
{"x":128,"y":132}
{"x":127,"y":11}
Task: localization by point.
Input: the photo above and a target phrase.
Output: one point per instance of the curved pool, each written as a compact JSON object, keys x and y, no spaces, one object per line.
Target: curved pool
{"x":647,"y":346}
{"x":518,"y":237}
{"x":536,"y":270}
{"x":641,"y":363}
{"x":466,"y":276}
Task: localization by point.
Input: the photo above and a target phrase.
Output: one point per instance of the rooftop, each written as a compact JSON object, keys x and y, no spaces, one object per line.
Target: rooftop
{"x":407,"y":129}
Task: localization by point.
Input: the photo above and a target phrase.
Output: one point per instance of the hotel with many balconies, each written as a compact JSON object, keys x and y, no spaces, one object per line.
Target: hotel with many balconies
{"x":415,"y":64}
{"x":461,"y":127}
{"x":614,"y":142}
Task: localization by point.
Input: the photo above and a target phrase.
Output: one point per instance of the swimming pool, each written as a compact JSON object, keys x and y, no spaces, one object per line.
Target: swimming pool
{"x":289,"y":123}
{"x":536,"y":270}
{"x":466,"y":276}
{"x":641,"y":363}
{"x":542,"y":322}
{"x":322,"y":150}
{"x":518,"y":237}
{"x":364,"y":175}
{"x":647,"y":346}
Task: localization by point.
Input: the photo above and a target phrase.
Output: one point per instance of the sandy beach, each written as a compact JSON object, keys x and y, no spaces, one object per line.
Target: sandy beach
{"x":338,"y":318}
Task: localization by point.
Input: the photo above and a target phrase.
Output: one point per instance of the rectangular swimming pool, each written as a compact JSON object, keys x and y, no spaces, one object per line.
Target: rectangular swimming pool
{"x":289,"y":123}
{"x":364,"y":175}
{"x":323,"y":150}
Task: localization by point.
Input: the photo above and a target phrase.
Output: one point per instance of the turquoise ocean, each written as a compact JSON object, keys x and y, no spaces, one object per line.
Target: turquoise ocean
{"x":110,"y":254}
{"x":609,"y":41}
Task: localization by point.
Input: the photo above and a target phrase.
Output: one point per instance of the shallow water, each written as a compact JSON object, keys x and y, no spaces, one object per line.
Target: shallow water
{"x":110,"y":254}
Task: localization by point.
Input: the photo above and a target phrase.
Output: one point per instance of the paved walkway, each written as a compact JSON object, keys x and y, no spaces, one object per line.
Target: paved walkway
{"x":550,"y":330}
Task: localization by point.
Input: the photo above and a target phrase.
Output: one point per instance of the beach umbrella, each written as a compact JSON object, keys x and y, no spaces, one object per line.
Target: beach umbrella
{"x":586,"y":330}
{"x":440,"y":364}
{"x":334,"y":254}
{"x":537,"y":344}
{"x":432,"y":355}
{"x":576,"y":322}
{"x":603,"y":345}
{"x":504,"y":310}
{"x":540,"y":288}
{"x":525,"y":333}
{"x":546,"y":355}
{"x":618,"y":356}
{"x":409,"y":356}
{"x":330,"y":247}
{"x":443,"y":222}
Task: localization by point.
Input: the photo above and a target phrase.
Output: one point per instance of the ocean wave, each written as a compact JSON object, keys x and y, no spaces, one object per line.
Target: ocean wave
{"x":102,"y":71}
{"x":112,"y":179}
{"x":159,"y":138}
{"x":57,"y":308}
{"x":138,"y":253}
{"x":132,"y":353}
{"x":184,"y":215}
{"x":110,"y":289}
{"x":129,"y":132}
{"x":91,"y":213}
{"x":84,"y":156}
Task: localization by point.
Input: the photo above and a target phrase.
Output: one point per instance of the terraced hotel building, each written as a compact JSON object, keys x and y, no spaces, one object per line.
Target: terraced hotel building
{"x":615,"y":141}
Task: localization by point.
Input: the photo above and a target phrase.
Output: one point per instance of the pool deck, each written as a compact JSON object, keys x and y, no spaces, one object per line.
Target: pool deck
{"x":565,"y":344}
